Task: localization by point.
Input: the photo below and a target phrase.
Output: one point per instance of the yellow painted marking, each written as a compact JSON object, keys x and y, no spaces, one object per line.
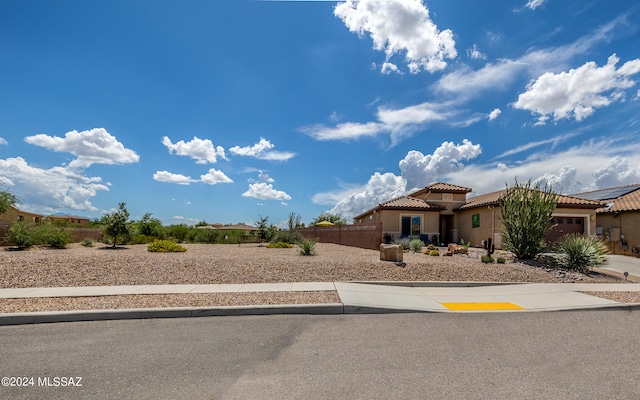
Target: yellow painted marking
{"x":482,"y":306}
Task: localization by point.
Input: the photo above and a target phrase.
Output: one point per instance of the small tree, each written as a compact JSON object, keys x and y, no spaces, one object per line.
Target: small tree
{"x":335,"y":219}
{"x":149,"y":226}
{"x":116,"y":224}
{"x":265,"y":232}
{"x":6,"y":200}
{"x":526,"y":210}
{"x":294,"y":222}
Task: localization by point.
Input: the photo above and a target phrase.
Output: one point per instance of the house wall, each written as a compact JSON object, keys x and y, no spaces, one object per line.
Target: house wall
{"x":624,"y":227}
{"x":13,"y":214}
{"x":71,"y":221}
{"x":491,"y":223}
{"x":392,"y":222}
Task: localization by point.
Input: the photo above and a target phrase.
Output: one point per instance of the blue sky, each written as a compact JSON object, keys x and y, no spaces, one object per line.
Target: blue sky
{"x":227,"y":110}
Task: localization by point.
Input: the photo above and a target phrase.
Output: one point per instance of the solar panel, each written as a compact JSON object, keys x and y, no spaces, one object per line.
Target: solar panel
{"x":607,"y":194}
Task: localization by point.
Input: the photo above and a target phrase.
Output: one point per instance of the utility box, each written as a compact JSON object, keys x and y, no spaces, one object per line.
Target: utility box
{"x":614,"y":234}
{"x":391,"y":252}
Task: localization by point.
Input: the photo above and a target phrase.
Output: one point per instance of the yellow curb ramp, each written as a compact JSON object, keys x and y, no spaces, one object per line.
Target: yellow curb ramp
{"x":498,"y":306}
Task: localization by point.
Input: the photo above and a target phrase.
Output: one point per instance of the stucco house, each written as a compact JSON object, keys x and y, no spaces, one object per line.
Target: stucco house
{"x":618,"y":222}
{"x":70,"y":220}
{"x":442,"y":213}
{"x":13,"y":214}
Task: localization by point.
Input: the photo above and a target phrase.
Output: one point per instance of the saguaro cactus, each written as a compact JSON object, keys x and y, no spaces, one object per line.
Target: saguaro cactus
{"x":489,"y":247}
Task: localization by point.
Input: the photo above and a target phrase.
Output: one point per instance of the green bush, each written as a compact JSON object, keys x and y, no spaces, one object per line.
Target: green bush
{"x":22,"y":235}
{"x":486,"y":259}
{"x":141,"y":239}
{"x":501,"y":260}
{"x":279,"y":245}
{"x":88,"y":242}
{"x":54,"y":236}
{"x":307,"y":247}
{"x":405,"y":243}
{"x":206,"y":236}
{"x":165,"y":246}
{"x":575,"y":251}
{"x":416,"y":245}
{"x":434,"y":253}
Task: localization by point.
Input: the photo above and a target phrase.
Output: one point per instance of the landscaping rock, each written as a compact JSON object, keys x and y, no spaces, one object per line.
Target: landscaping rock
{"x":391,"y":252}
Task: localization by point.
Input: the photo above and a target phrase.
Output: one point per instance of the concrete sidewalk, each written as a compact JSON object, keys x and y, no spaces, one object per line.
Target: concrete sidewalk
{"x":356,"y":297}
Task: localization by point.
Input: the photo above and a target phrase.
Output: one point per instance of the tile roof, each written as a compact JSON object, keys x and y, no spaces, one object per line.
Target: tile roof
{"x":408,"y":202}
{"x":627,"y":202}
{"x":493,"y":198}
{"x":447,"y":187}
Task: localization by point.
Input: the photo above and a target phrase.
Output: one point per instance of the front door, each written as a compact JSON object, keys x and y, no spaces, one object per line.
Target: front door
{"x":446,"y":227}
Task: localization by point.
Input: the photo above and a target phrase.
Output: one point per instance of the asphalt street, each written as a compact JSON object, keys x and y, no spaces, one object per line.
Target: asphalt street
{"x":543,"y":355}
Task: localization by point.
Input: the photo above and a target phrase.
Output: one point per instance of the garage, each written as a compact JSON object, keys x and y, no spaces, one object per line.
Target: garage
{"x":563,"y":226}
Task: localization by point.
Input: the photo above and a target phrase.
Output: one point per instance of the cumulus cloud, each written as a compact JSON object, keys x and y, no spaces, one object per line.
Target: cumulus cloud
{"x":616,"y":172}
{"x":3,"y":141}
{"x":265,"y":191}
{"x":388,"y":68}
{"x":203,"y":151}
{"x":262,"y":151}
{"x":214,"y":177}
{"x":50,"y":189}
{"x":563,"y":182}
{"x":577,"y":93}
{"x":494,"y":114}
{"x":400,"y":27}
{"x":419,"y":170}
{"x":168,"y":177}
{"x":94,"y":146}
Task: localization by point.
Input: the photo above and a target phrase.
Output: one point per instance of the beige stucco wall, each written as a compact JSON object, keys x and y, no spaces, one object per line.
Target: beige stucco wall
{"x":627,"y":224}
{"x":491,"y":223}
{"x":392,"y":221}
{"x":12,"y":215}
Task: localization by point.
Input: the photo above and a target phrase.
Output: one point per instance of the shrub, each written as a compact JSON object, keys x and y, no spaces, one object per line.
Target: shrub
{"x":88,"y":242}
{"x":580,"y":252}
{"x":279,"y":245}
{"x":206,"y":236}
{"x":165,"y":246}
{"x":431,"y":246}
{"x":416,"y":245}
{"x":22,"y":235}
{"x":387,"y":238}
{"x":434,"y":253}
{"x":56,"y":237}
{"x":486,"y":259}
{"x":307,"y":247}
{"x":405,"y":243}
{"x":501,"y":260}
{"x":141,"y":239}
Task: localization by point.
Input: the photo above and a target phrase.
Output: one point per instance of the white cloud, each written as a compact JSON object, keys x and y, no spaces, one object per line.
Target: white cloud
{"x":419,"y":170}
{"x":475,"y":53}
{"x":577,"y":93}
{"x":533,"y":4}
{"x":399,"y":123}
{"x":494,"y":114}
{"x":168,"y":177}
{"x":554,"y":141}
{"x":616,"y":172}
{"x":3,"y":141}
{"x":214,"y":177}
{"x":262,"y":151}
{"x":265,"y":191}
{"x":49,"y":190}
{"x":388,"y":68}
{"x":94,"y":146}
{"x":563,"y":182}
{"x":400,"y":27}
{"x":200,"y":150}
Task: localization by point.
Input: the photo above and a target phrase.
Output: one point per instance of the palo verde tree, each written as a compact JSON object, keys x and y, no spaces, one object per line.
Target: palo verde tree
{"x":116,"y":224}
{"x":526,"y":210}
{"x":265,"y":231}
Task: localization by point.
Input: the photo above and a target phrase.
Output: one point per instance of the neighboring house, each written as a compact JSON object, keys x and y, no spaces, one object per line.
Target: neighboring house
{"x":13,"y":214}
{"x":428,"y":214}
{"x":618,"y":223}
{"x":441,"y":213}
{"x":70,"y":220}
{"x":480,"y":218}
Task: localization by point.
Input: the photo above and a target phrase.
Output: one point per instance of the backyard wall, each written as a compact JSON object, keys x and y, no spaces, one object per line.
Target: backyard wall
{"x":366,"y":235}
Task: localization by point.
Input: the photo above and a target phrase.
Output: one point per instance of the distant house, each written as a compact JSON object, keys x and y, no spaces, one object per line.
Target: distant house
{"x":13,"y":214}
{"x":70,"y":220}
{"x":441,"y":213}
{"x":618,"y":222}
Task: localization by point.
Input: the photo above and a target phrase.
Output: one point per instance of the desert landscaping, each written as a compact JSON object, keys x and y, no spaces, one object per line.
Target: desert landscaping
{"x":247,"y":263}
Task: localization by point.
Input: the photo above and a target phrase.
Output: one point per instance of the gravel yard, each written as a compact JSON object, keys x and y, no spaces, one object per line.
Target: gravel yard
{"x":248,"y":263}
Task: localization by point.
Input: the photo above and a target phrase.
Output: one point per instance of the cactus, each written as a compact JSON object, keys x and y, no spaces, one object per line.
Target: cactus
{"x":489,"y":247}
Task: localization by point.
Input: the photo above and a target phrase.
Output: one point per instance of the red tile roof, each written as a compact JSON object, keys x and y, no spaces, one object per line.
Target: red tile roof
{"x":447,"y":187}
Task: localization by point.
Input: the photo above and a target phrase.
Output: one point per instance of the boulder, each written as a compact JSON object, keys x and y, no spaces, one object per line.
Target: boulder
{"x":391,"y":252}
{"x":456,"y":249}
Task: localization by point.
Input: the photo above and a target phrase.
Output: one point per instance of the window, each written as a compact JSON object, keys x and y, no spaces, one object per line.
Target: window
{"x":411,"y":225}
{"x":475,"y":220}
{"x":579,"y":221}
{"x":569,"y":220}
{"x":447,"y":196}
{"x":560,"y":220}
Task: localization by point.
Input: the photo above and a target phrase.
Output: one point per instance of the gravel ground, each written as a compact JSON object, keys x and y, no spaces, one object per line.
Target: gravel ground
{"x":620,"y":297}
{"x":248,"y":263}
